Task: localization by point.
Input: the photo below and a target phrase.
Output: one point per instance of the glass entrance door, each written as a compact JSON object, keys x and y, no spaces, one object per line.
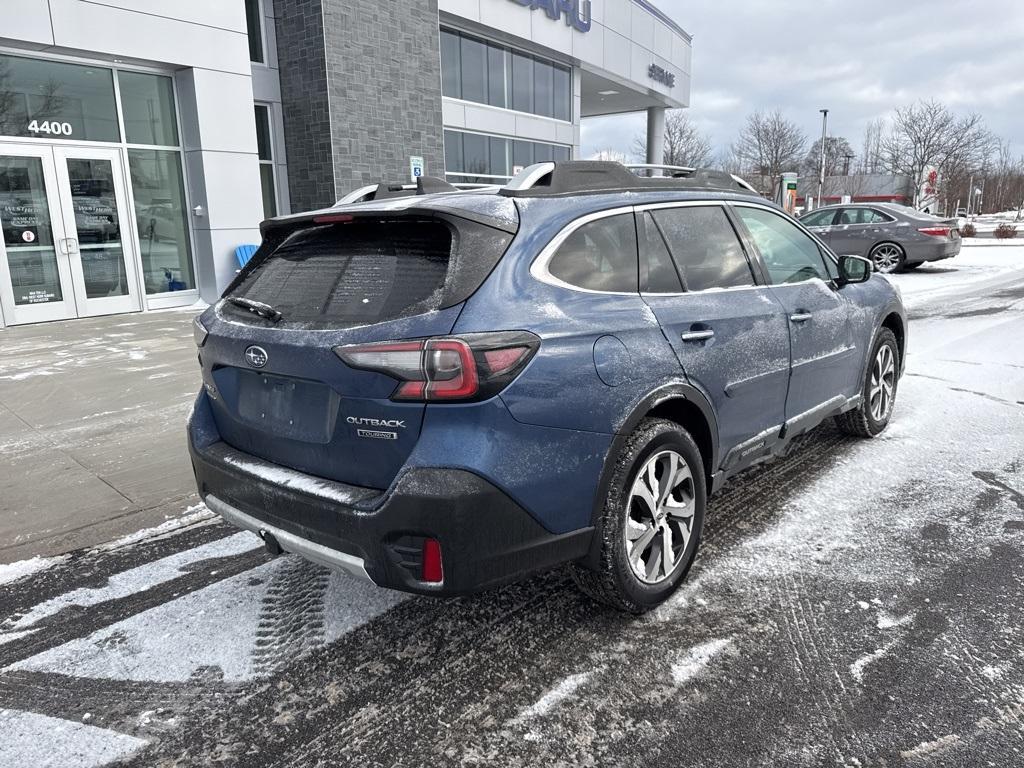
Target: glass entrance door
{"x":65,"y":250}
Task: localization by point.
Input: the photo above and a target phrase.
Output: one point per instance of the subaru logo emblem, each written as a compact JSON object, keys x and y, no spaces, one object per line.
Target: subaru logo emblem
{"x":256,"y":356}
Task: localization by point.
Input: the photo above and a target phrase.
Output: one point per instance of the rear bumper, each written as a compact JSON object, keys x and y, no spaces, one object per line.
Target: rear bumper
{"x":486,"y":538}
{"x":940,"y":249}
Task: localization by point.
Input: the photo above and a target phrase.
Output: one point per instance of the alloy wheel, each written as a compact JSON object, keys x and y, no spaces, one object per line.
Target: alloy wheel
{"x":887,"y":258}
{"x":883,"y":383}
{"x":660,"y":519}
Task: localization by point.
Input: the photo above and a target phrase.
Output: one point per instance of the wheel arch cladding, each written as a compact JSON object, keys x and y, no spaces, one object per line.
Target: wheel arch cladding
{"x":679,"y":403}
{"x":894,"y":323}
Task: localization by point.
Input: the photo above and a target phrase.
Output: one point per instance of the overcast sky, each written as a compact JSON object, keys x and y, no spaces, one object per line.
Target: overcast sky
{"x":858,"y":58}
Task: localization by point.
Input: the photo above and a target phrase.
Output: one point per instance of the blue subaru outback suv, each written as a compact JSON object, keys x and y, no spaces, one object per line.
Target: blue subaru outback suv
{"x":445,"y":390}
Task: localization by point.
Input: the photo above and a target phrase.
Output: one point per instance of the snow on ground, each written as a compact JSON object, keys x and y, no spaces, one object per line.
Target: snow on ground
{"x":238,"y":628}
{"x":13,"y":571}
{"x":50,"y":742}
{"x":693,"y":662}
{"x":978,"y":261}
{"x":137,"y":579}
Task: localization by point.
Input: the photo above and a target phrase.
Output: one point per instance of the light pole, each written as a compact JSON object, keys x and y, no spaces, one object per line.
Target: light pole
{"x":821,"y":170}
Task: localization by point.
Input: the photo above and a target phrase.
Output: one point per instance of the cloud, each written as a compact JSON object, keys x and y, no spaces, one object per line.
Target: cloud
{"x":859,"y":60}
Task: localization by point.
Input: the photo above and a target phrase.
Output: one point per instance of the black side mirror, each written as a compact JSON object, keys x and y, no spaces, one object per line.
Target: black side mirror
{"x":854,"y":269}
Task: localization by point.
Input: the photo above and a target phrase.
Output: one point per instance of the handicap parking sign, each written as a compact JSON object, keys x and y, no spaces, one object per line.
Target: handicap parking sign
{"x":415,"y":167}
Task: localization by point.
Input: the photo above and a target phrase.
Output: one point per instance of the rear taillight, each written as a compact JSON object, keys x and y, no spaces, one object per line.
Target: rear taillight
{"x":472,"y":367}
{"x":935,"y":231}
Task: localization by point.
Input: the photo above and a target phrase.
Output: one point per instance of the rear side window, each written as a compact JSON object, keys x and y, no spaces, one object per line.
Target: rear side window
{"x":599,"y":256}
{"x":657,"y":272}
{"x":818,"y":218}
{"x":369,"y":271}
{"x":705,"y":247}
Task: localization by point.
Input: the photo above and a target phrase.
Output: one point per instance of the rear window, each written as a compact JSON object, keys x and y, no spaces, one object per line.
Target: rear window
{"x":362,"y":272}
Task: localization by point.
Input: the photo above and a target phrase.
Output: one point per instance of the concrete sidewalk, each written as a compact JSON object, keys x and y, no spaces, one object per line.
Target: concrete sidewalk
{"x":92,"y":429}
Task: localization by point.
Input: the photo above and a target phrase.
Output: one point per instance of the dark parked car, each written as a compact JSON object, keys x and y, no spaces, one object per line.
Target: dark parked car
{"x":894,"y":237}
{"x":443,"y":392}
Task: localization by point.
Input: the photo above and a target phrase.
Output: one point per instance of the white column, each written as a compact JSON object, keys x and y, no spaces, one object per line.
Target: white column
{"x":656,"y":135}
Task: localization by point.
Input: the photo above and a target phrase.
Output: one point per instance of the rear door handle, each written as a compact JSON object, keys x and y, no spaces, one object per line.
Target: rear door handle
{"x":800,"y":317}
{"x":697,"y":335}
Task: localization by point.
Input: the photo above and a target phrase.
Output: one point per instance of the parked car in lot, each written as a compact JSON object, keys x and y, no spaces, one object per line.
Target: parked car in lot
{"x":442,"y":392}
{"x":894,"y":237}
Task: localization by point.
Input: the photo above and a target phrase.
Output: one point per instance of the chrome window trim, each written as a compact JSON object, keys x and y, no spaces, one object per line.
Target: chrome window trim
{"x":539,"y":267}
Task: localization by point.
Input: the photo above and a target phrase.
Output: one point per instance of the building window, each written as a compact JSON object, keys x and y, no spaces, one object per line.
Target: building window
{"x":476,"y":157}
{"x":54,"y":100}
{"x":254,"y":28}
{"x":487,"y":73}
{"x":159,"y":193}
{"x":264,"y":147}
{"x":147,"y":103}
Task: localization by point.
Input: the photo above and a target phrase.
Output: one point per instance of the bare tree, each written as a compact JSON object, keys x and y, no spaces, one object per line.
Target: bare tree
{"x":769,"y":144}
{"x":610,"y":154}
{"x":837,"y":150}
{"x":928,"y":135}
{"x":871,"y":152}
{"x":684,"y":143}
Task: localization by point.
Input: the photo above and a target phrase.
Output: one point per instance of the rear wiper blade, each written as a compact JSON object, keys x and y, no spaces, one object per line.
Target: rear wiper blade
{"x":257,"y":308}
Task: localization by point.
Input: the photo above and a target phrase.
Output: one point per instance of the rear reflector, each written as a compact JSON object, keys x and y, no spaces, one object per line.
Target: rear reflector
{"x":935,"y":231}
{"x":455,"y":369}
{"x":433,"y":572}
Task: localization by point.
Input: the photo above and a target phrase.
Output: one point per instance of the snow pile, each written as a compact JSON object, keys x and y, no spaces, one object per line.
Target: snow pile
{"x":19,"y":570}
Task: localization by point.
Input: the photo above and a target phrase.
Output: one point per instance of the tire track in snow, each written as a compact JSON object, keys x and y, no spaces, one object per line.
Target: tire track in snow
{"x":292,"y":615}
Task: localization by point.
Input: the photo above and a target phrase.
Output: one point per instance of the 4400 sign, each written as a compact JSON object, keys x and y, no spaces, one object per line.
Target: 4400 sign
{"x":51,"y":127}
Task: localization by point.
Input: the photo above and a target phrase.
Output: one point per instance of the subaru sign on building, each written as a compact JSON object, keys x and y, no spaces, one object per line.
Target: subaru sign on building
{"x":139,"y":149}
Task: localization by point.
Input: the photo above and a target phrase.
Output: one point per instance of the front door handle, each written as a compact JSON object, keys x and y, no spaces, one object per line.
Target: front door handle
{"x":800,"y":317}
{"x":697,"y":335}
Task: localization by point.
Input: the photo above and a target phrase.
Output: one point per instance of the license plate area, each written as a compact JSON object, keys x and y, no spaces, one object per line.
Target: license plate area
{"x":296,"y":409}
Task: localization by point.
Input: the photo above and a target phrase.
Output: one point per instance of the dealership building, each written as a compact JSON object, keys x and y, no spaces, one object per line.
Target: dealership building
{"x":142,"y":142}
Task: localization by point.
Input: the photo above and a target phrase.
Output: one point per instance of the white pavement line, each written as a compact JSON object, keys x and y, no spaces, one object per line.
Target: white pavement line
{"x":41,"y":741}
{"x":213,"y":630}
{"x":137,"y":579}
{"x":552,"y":698}
{"x":13,"y":571}
{"x":693,"y":662}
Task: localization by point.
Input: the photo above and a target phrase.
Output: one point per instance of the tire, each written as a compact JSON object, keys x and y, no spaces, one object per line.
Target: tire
{"x":871,"y":417}
{"x":626,"y":518}
{"x":888,"y":258}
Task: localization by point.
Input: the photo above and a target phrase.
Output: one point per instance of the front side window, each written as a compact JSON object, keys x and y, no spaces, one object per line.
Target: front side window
{"x":54,"y":100}
{"x":599,"y":256}
{"x":705,"y":247}
{"x":789,"y":254}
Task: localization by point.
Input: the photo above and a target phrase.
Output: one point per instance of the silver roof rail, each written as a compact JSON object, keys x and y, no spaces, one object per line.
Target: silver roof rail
{"x":670,"y":169}
{"x":529,"y":176}
{"x":743,"y":183}
{"x":362,"y":193}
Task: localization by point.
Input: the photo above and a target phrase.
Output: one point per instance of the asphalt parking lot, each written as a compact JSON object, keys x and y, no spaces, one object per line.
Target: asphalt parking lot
{"x":856,"y":603}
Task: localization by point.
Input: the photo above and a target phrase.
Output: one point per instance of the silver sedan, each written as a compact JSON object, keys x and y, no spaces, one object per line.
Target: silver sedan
{"x":894,"y":237}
